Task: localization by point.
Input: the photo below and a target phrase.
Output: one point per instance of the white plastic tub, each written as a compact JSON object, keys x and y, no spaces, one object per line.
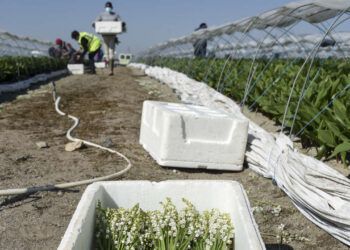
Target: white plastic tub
{"x":108,"y":28}
{"x":189,"y":136}
{"x":76,"y":69}
{"x":227,"y":196}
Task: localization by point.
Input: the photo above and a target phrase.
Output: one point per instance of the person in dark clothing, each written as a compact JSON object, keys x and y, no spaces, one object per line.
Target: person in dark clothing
{"x":66,"y":49}
{"x":328,"y":42}
{"x":89,"y":44}
{"x":200,"y":46}
{"x":54,"y":52}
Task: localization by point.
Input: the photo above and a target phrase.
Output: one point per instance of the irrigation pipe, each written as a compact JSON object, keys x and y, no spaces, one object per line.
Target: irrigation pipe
{"x":61,"y":186}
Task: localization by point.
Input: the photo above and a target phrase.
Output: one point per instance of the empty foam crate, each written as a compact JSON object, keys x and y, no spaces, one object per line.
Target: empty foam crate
{"x":125,"y":59}
{"x":227,"y":196}
{"x":100,"y":65}
{"x":76,"y":69}
{"x":107,"y":27}
{"x":180,"y":135}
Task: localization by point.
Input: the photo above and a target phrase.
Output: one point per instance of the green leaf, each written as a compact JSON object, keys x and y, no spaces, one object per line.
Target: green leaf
{"x":340,"y":112}
{"x":332,"y":126}
{"x":326,"y":137}
{"x":344,"y":147}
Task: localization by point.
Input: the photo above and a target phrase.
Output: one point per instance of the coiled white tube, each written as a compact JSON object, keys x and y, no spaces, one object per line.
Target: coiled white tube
{"x":73,"y":139}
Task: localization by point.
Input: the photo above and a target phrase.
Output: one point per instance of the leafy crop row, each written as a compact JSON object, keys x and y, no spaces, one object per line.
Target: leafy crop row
{"x":20,"y":68}
{"x":321,"y":118}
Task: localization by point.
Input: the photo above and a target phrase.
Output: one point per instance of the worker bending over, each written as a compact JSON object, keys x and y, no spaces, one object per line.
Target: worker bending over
{"x":66,"y":49}
{"x":89,"y":43}
{"x":110,"y":40}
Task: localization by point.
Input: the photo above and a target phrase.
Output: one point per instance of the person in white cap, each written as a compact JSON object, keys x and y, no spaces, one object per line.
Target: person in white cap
{"x":109,"y":40}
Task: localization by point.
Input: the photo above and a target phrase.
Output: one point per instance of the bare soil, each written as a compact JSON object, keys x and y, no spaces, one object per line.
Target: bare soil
{"x":109,"y":109}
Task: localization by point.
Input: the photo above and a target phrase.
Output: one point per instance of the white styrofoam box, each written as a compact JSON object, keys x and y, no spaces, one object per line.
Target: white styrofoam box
{"x":180,"y":135}
{"x":125,"y":59}
{"x":100,"y":65}
{"x":108,"y":27}
{"x":76,"y":69}
{"x":227,"y":196}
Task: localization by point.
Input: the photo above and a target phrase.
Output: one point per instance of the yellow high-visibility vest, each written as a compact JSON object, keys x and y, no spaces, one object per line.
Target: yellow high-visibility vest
{"x":93,"y":41}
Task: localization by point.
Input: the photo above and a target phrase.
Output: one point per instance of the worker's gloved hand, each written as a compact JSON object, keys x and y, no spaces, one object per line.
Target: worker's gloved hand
{"x":116,"y":40}
{"x":124,"y":27}
{"x":77,"y":57}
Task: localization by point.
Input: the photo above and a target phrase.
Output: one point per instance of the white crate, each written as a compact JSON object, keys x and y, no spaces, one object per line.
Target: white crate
{"x":108,"y":27}
{"x":100,"y":65}
{"x":180,"y":135}
{"x":76,"y":69}
{"x":227,"y":196}
{"x":125,"y":59}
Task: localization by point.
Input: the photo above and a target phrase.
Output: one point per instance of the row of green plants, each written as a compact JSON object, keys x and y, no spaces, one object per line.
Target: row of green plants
{"x":321,"y":118}
{"x":17,"y":68}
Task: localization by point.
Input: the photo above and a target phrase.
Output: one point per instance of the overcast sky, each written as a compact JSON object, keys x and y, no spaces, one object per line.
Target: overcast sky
{"x":149,"y":21}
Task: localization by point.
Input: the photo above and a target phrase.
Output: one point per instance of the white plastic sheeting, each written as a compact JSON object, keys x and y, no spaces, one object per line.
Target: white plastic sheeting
{"x":21,"y":85}
{"x":287,"y":46}
{"x":13,"y":45}
{"x":318,"y":191}
{"x":292,"y":46}
{"x":332,"y":4}
{"x":312,"y":11}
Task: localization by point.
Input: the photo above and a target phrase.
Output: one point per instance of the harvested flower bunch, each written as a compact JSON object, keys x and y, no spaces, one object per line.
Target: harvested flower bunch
{"x":165,"y":229}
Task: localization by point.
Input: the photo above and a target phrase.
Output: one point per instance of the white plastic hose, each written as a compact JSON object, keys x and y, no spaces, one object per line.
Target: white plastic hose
{"x":30,"y":190}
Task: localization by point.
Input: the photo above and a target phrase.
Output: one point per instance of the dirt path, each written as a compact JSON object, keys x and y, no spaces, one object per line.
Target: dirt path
{"x":109,"y":110}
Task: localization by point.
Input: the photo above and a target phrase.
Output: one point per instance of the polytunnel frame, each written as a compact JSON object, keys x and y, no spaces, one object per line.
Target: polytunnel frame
{"x":252,"y":70}
{"x":264,"y":92}
{"x":232,"y":56}
{"x":208,"y":71}
{"x":22,"y":47}
{"x":251,"y":73}
{"x":309,"y":70}
{"x":18,"y":50}
{"x":311,"y":57}
{"x":246,"y":34}
{"x":287,"y":15}
{"x":255,"y":20}
{"x":229,"y":74}
{"x":335,"y":97}
{"x":22,"y":44}
{"x":286,"y":30}
{"x":250,"y":78}
{"x":17,"y":47}
{"x":213,"y":61}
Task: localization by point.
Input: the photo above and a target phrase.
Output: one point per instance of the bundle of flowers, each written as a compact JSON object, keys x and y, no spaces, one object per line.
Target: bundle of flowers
{"x":164,"y":229}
